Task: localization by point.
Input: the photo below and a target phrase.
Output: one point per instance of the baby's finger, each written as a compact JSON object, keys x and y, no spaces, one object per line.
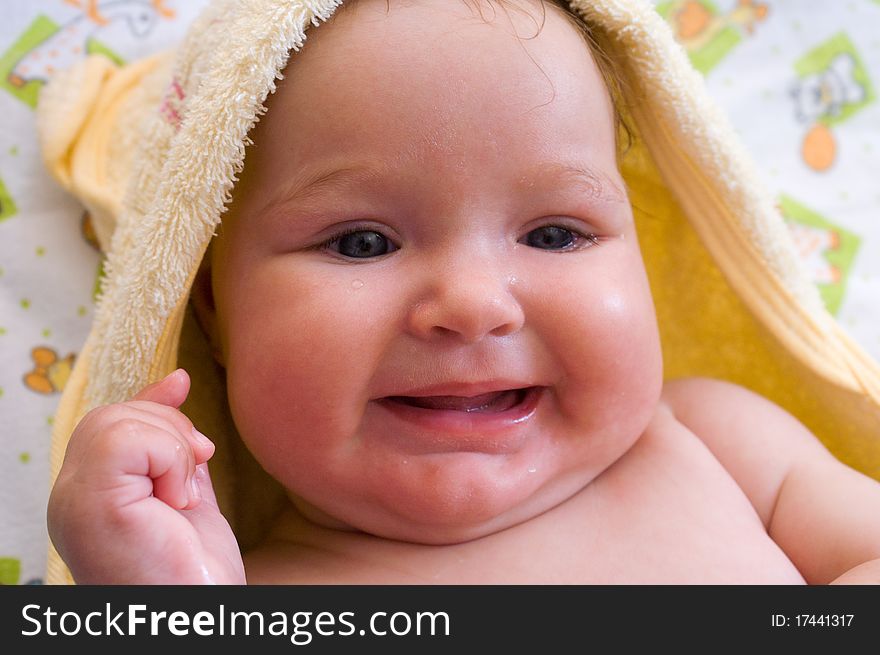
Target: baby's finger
{"x":170,"y":390}
{"x":213,"y":527}
{"x":202,"y":479}
{"x":170,"y":419}
{"x":173,"y":478}
{"x":203,"y":448}
{"x":166,"y":418}
{"x":132,"y":459}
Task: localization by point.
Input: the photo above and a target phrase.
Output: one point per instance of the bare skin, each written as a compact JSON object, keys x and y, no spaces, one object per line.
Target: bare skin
{"x":677,"y":508}
{"x":409,"y":258}
{"x":680,"y":507}
{"x":665,"y":513}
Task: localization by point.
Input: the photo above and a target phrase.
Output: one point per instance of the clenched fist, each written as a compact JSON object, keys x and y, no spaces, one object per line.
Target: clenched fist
{"x":133,"y":502}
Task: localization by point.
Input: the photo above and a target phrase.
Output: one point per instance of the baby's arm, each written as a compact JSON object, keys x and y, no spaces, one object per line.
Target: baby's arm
{"x":823,"y":514}
{"x":133,"y":502}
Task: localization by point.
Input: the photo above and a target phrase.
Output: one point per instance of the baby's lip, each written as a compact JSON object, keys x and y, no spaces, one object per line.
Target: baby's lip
{"x":463,"y":389}
{"x":447,"y":423}
{"x":494,"y":401}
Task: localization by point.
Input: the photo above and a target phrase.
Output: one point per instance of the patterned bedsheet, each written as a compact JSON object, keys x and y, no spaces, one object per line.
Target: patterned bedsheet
{"x":797,"y":78}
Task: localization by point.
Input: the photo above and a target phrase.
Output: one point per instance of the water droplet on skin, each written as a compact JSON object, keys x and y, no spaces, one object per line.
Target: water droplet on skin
{"x":532,"y":470}
{"x":513,"y":280}
{"x":357,"y":284}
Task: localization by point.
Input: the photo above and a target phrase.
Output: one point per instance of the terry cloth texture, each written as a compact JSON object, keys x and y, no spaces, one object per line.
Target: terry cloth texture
{"x":732,"y":298}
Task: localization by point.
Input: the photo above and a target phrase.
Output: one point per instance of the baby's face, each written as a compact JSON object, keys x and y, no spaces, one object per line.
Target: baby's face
{"x":431,"y":300}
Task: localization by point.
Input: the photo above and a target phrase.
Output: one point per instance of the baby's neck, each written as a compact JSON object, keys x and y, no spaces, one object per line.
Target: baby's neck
{"x":300,"y":551}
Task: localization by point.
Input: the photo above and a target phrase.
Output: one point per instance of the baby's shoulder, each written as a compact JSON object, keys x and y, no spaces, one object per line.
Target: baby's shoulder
{"x":756,"y":440}
{"x":724,"y":414}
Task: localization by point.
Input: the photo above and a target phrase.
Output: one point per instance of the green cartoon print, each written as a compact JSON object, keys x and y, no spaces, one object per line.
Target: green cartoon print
{"x":10,"y":572}
{"x":46,"y":46}
{"x":7,"y":204}
{"x":827,"y":249}
{"x":832,"y":85}
{"x":708,"y":34}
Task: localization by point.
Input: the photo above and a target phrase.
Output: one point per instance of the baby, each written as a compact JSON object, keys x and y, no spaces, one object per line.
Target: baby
{"x":444,"y":256}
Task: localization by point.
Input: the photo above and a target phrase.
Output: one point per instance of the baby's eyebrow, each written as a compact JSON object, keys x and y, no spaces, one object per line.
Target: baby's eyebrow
{"x":594,"y":184}
{"x":328,"y":180}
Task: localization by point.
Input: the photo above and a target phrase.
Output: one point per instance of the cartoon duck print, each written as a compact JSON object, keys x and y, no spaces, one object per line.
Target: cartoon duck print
{"x":822,"y":96}
{"x":813,"y":244}
{"x":50,"y":374}
{"x":695,"y":25}
{"x":66,"y":46}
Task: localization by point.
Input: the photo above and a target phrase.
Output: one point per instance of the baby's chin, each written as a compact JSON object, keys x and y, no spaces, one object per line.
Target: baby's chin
{"x":446,"y":515}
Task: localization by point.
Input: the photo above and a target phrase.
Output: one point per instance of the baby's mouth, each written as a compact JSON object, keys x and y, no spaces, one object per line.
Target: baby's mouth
{"x":493,"y":422}
{"x":495,"y":401}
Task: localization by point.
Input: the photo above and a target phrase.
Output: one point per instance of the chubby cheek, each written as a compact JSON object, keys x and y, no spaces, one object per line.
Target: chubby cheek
{"x":300,"y":352}
{"x":605,"y":340}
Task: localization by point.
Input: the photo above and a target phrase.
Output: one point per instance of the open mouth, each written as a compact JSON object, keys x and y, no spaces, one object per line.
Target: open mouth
{"x":494,"y":422}
{"x":493,"y":402}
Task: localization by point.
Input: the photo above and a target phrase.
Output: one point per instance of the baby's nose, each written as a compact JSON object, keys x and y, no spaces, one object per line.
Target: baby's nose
{"x":468,"y":303}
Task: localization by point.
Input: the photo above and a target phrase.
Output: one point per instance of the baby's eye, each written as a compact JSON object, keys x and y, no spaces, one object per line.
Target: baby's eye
{"x":361,"y":244}
{"x":554,"y":237}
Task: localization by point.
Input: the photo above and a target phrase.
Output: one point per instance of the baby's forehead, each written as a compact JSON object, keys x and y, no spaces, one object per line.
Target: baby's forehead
{"x":435,"y":84}
{"x":443,"y":40}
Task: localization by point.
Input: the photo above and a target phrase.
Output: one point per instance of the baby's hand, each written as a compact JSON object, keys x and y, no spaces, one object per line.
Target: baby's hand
{"x":133,"y":502}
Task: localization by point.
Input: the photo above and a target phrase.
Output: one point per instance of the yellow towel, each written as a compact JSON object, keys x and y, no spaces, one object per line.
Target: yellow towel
{"x":152,"y":150}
